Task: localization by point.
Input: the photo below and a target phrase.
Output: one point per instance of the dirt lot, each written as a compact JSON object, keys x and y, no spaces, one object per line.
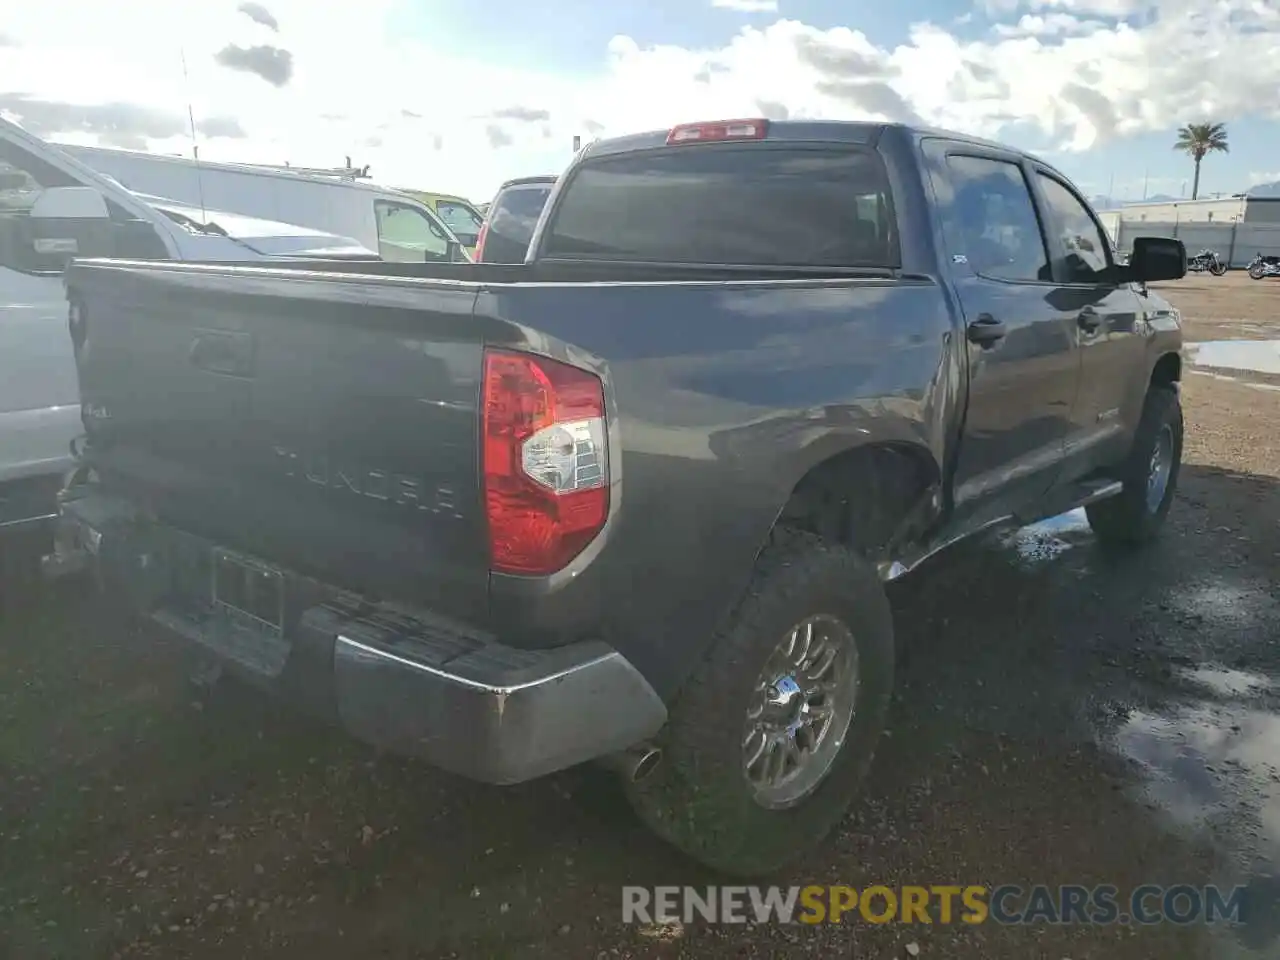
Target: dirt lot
{"x":1227,"y":307}
{"x":1062,"y":718}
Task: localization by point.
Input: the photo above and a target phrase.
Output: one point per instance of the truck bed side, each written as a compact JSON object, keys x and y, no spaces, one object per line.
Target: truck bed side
{"x":331,"y":424}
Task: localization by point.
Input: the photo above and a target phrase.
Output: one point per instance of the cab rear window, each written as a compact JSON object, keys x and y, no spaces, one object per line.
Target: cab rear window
{"x":752,"y":204}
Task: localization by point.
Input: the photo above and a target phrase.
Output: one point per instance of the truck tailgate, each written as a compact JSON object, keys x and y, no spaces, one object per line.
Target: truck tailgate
{"x":325,"y":425}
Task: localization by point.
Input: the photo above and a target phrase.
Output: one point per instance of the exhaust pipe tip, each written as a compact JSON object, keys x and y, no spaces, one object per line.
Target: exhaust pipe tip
{"x":634,"y":763}
{"x":646,"y":763}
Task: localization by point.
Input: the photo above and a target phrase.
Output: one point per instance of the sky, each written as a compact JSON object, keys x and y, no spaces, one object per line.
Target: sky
{"x":456,"y":96}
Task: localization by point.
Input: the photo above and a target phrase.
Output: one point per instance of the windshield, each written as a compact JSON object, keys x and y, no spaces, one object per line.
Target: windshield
{"x":729,"y":205}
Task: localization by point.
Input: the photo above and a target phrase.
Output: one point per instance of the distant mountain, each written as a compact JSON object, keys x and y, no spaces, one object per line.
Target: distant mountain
{"x":1265,"y":189}
{"x":1111,"y":203}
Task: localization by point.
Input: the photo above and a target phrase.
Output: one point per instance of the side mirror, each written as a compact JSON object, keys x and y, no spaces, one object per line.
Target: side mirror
{"x":67,"y":222}
{"x":457,"y":253}
{"x":1157,"y":258}
{"x":70,"y":203}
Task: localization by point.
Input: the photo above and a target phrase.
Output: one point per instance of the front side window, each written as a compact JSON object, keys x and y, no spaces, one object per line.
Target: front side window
{"x":407,"y":235}
{"x":462,"y":220}
{"x":1084,"y":248}
{"x":990,"y":220}
{"x":18,"y":189}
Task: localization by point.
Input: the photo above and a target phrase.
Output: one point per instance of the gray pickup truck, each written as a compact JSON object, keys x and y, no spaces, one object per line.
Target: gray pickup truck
{"x":635,"y":499}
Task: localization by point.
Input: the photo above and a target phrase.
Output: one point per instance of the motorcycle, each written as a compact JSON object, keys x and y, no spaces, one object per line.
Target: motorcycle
{"x":1206,"y":260}
{"x":1261,"y":266}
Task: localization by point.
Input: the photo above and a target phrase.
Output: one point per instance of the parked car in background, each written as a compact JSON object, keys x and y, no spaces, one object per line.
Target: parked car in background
{"x":458,"y":214}
{"x":53,"y":208}
{"x":633,"y":499}
{"x":513,"y":213}
{"x":400,"y":228}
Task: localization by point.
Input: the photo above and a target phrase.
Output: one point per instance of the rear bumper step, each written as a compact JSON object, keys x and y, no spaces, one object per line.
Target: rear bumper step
{"x":408,"y":682}
{"x":28,"y":503}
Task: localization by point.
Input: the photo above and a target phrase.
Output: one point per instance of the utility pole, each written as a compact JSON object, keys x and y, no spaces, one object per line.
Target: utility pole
{"x":577,"y":143}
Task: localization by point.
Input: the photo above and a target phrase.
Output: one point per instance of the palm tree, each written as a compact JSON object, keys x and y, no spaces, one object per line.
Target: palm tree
{"x":1198,"y":139}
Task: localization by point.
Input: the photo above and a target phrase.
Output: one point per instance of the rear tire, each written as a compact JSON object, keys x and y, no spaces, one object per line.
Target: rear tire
{"x":1255,"y":273}
{"x":703,"y":798}
{"x":1149,"y":474}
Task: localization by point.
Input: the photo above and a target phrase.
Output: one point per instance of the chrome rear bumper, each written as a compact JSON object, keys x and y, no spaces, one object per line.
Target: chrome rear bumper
{"x":408,"y":682}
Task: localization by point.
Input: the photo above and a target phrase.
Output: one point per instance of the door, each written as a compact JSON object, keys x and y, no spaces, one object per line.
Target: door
{"x":1107,"y":321}
{"x":1024,"y":366}
{"x":39,"y":388}
{"x":39,"y":394}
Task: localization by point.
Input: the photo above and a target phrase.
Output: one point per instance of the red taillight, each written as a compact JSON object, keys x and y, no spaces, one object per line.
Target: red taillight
{"x":545,"y":461}
{"x":718,"y":130}
{"x":479,"y":254}
{"x":77,"y":326}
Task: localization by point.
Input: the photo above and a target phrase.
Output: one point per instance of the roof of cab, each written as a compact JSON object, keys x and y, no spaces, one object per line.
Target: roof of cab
{"x":526,"y":181}
{"x":821,"y":131}
{"x":432,"y":197}
{"x":250,"y":169}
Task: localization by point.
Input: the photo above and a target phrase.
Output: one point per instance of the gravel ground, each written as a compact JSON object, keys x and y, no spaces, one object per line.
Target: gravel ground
{"x":1062,"y":717}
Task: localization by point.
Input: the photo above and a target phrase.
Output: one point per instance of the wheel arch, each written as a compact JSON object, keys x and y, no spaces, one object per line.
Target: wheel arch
{"x":871,"y":497}
{"x":1167,"y":370}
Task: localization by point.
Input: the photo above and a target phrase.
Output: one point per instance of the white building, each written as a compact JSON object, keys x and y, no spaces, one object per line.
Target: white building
{"x":1235,"y":228}
{"x":1223,"y":210}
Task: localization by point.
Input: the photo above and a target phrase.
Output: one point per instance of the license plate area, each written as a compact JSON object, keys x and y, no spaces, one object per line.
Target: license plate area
{"x":248,"y":593}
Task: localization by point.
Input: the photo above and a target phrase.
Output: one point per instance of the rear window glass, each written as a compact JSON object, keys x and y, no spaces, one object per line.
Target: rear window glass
{"x":735,"y":205}
{"x":517,"y":210}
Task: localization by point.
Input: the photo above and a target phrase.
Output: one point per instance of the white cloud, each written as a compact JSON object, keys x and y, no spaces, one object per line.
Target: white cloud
{"x":1101,"y":8}
{"x":349,"y":83}
{"x":1256,"y":178}
{"x":747,"y":6}
{"x":1049,"y":25}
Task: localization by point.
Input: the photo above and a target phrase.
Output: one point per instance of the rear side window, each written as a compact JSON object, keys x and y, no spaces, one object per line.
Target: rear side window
{"x":990,"y":220}
{"x":730,"y":205}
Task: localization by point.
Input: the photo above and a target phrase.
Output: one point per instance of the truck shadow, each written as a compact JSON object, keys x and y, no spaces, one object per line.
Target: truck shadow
{"x":1062,"y":716}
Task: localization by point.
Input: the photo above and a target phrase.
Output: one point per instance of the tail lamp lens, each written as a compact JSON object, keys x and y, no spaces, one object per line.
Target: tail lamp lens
{"x":544,"y":459}
{"x":76,"y":326}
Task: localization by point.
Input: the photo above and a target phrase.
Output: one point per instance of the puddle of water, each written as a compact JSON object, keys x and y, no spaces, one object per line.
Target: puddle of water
{"x":1228,"y":682}
{"x":1260,"y":356}
{"x":1215,"y":771}
{"x":1043,"y":541}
